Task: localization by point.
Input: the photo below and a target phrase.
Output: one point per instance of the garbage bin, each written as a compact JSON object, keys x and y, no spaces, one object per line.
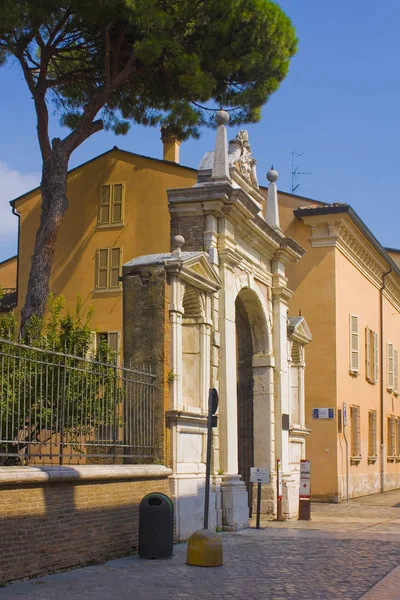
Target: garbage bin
{"x":156,"y":526}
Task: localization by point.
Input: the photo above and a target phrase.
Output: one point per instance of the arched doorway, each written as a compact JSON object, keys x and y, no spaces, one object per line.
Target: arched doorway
{"x":245,"y":409}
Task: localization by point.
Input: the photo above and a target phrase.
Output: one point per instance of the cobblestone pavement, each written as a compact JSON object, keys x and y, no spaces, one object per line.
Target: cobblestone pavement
{"x":346,"y":552}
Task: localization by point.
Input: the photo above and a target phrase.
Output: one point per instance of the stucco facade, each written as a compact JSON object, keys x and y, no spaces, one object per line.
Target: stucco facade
{"x":339,"y":279}
{"x":8,"y":273}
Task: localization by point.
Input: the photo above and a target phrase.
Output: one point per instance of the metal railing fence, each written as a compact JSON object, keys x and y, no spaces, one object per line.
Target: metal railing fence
{"x":57,"y":408}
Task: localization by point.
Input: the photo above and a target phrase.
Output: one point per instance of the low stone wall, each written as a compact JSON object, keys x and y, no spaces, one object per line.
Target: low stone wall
{"x":57,"y":517}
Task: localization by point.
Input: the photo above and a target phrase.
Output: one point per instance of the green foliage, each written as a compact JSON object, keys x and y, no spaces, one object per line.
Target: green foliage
{"x":153,"y":62}
{"x":50,"y":387}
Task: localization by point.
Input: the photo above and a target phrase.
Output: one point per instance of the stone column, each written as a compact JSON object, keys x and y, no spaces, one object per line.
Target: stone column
{"x":235,"y":510}
{"x":280,"y":295}
{"x":264,"y":426}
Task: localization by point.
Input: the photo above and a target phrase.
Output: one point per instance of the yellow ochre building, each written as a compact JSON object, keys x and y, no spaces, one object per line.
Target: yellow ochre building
{"x":346,"y":286}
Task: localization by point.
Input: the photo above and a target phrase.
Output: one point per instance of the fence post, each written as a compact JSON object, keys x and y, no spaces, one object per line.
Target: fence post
{"x":62,"y":416}
{"x":115,"y":408}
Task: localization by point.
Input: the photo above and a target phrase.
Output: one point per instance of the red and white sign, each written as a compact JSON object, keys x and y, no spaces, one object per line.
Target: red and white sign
{"x":305,"y":479}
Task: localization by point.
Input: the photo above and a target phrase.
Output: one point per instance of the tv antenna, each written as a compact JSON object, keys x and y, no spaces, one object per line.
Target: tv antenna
{"x":296,"y":168}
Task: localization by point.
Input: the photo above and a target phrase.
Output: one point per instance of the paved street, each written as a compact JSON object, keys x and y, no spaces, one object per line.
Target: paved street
{"x":345,"y":552}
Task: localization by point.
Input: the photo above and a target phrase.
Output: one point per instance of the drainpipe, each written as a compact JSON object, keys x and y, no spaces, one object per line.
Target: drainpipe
{"x":382,"y":385}
{"x":18,"y":215}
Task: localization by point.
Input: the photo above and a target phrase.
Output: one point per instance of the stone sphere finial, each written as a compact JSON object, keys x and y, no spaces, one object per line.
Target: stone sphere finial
{"x":179,"y":241}
{"x":222,"y":117}
{"x":272,"y":175}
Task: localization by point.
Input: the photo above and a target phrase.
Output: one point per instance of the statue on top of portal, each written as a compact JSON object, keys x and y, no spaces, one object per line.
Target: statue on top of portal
{"x":240,"y":156}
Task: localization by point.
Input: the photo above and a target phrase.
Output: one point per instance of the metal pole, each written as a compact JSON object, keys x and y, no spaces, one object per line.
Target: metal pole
{"x":346,"y":441}
{"x":279,"y":491}
{"x":208,"y":463}
{"x":258,"y":505}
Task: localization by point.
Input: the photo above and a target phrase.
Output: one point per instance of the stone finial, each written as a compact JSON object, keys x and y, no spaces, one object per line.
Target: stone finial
{"x":179,"y":242}
{"x":272,"y":175}
{"x":220,"y":169}
{"x":272,"y":212}
{"x":222,"y":117}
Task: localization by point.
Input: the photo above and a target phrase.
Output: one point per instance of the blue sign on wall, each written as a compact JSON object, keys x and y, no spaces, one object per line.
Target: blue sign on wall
{"x":323,"y":413}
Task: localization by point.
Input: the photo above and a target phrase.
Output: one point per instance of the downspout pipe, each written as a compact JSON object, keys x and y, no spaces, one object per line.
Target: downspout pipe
{"x":18,"y":215}
{"x":382,"y":424}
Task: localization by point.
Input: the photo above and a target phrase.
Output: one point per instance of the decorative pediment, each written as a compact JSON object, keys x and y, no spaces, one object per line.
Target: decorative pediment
{"x":197,"y":271}
{"x":298,"y":330}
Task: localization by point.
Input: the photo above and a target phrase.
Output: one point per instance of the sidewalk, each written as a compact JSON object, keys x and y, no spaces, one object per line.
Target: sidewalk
{"x":347,"y":552}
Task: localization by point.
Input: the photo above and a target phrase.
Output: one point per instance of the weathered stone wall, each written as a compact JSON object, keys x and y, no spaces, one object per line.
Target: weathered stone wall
{"x":144,"y":325}
{"x":46,"y":526}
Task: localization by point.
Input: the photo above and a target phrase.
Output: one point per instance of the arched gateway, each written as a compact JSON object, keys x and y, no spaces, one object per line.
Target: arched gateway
{"x":213,"y":312}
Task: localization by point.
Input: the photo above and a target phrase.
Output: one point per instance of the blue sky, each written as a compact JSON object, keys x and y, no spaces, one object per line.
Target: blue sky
{"x":339,"y":105}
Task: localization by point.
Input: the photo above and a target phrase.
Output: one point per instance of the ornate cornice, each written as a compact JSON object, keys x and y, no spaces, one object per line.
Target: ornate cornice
{"x":338,"y":230}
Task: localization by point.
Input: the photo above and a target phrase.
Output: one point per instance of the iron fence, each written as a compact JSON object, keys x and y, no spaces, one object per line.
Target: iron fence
{"x":57,"y":408}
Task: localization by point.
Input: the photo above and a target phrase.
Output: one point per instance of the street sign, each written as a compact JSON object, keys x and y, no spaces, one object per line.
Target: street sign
{"x":323,"y":413}
{"x":305,"y":490}
{"x":305,"y":479}
{"x":259,"y":475}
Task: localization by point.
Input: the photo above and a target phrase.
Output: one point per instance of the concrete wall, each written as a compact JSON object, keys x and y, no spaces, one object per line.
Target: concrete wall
{"x":53,"y":518}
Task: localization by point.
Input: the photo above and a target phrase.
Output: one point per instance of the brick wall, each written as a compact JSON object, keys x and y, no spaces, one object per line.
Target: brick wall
{"x":192,"y":229}
{"x":53,"y":525}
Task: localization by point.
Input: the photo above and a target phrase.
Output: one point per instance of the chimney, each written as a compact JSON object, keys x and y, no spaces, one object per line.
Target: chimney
{"x":171,"y":145}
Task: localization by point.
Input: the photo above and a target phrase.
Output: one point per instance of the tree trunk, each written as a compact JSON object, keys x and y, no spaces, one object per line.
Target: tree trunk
{"x":54,"y":205}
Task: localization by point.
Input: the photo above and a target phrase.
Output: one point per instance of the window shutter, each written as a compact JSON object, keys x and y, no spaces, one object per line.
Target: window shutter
{"x":354,"y":351}
{"x":375,"y":356}
{"x":396,"y":371}
{"x":113,"y":340}
{"x":102,"y":268}
{"x":115,"y":259}
{"x":117,"y":203}
{"x":372,"y":449}
{"x":390,"y":359}
{"x":398,"y":438}
{"x":391,"y":436}
{"x":368,"y":352}
{"x":355,"y":431}
{"x":91,"y":351}
{"x":105,"y":204}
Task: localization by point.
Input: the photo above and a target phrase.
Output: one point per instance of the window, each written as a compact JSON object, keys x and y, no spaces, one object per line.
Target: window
{"x":354,"y":352}
{"x":108,"y":267}
{"x":111,"y":199}
{"x":371,"y":355}
{"x":355,"y":432}
{"x":391,"y":437}
{"x":398,"y":438}
{"x":372,"y":445}
{"x":390,"y":362}
{"x":396,"y":372}
{"x":112,"y":339}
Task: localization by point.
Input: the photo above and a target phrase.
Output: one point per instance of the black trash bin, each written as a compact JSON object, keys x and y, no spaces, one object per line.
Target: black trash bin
{"x":156,"y":526}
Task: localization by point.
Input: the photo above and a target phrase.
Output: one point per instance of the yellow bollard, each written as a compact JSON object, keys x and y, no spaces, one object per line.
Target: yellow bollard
{"x":204,"y":549}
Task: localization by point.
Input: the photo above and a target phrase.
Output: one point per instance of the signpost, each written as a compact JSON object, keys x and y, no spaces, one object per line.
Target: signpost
{"x":211,"y":422}
{"x":305,"y":491}
{"x":259,"y":476}
{"x":279,"y":515}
